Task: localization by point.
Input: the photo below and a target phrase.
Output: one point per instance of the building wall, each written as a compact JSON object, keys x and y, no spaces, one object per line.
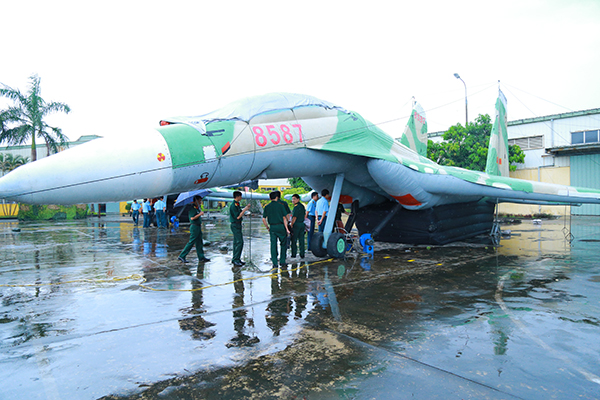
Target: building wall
{"x":585,"y":172}
{"x":25,"y":151}
{"x":558,"y":175}
{"x":556,"y":132}
{"x":41,"y":150}
{"x":274,"y":184}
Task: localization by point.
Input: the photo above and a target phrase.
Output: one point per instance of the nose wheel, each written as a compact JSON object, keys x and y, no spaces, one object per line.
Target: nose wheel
{"x":316,"y":245}
{"x":336,"y":245}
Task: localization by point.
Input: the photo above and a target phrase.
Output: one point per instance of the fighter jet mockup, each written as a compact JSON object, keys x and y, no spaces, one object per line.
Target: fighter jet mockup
{"x":394,"y":190}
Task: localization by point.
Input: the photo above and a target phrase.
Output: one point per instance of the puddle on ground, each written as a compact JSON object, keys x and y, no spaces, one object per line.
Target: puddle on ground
{"x":102,"y":309}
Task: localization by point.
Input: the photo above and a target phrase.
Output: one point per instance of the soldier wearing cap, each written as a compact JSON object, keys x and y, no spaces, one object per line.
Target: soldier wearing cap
{"x":236,"y":214}
{"x":298,"y":227}
{"x":274,"y":218}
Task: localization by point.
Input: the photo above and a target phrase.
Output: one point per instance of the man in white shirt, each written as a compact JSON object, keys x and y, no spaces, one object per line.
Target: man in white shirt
{"x":146,"y":211}
{"x":135,"y":211}
{"x":311,"y":208}
{"x":161,"y":207}
{"x":322,"y":209}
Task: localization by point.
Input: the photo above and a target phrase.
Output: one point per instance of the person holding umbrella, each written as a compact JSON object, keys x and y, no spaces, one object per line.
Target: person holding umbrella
{"x":195,"y":215}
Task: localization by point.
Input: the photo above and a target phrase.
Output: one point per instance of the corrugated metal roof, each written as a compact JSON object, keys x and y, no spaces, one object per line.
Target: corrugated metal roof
{"x":592,"y":111}
{"x":554,"y":116}
{"x":575,"y":148}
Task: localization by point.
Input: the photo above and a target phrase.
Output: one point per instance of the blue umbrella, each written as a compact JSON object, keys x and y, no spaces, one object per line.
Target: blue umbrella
{"x":187,"y":197}
{"x":251,"y":184}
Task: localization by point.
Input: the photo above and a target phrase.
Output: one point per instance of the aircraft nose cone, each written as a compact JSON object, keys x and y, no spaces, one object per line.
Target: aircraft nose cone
{"x":12,"y":184}
{"x":102,"y":170}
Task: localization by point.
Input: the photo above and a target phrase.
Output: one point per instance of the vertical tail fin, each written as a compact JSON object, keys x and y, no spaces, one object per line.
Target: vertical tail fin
{"x":415,"y":133}
{"x":497,"y":161}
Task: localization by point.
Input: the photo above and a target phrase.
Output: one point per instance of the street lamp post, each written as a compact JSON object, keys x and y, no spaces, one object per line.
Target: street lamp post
{"x":466,"y":107}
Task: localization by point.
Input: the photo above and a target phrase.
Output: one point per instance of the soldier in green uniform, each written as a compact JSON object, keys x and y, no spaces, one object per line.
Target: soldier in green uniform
{"x":236,"y":214}
{"x":195,"y":215}
{"x":274,"y":218}
{"x":298,"y":227}
{"x":288,"y":212}
{"x":288,"y":216}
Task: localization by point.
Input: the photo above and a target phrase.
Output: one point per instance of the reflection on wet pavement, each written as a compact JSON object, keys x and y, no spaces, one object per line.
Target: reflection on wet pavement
{"x":102,"y":309}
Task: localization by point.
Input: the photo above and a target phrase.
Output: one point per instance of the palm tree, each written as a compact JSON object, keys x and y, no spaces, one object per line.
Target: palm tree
{"x":25,"y":119}
{"x":8,"y":162}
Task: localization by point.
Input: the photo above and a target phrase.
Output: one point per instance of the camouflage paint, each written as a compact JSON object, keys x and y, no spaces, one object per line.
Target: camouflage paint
{"x":415,"y":133}
{"x":497,"y":161}
{"x":183,"y":142}
{"x":355,"y":135}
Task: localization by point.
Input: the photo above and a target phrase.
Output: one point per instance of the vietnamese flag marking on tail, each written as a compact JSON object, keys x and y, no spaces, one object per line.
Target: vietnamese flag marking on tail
{"x":225,"y":148}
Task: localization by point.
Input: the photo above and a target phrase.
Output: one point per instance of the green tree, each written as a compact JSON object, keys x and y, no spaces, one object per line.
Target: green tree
{"x":24,"y":120}
{"x":299,"y":183}
{"x":468,"y":147}
{"x":8,"y":162}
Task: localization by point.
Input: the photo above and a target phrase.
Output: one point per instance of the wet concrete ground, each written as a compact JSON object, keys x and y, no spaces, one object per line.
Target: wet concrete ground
{"x":101,"y":309}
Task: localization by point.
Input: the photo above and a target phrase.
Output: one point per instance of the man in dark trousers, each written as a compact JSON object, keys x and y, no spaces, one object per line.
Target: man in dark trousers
{"x":236,"y":214}
{"x":274,"y":218}
{"x":195,"y":215}
{"x":310,"y":214}
{"x":298,"y":227}
{"x":288,"y":216}
{"x":135,"y":211}
{"x":322,"y":211}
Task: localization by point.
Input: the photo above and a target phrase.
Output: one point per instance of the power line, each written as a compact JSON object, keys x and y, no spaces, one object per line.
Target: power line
{"x":576,"y":151}
{"x":538,"y":97}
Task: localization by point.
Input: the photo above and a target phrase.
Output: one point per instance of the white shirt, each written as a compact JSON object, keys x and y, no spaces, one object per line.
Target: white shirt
{"x":322,"y":206}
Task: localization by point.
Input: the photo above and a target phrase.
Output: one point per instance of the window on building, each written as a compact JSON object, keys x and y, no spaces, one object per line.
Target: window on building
{"x":591,"y":136}
{"x":576,"y":137}
{"x":528,"y":143}
{"x":584,"y":137}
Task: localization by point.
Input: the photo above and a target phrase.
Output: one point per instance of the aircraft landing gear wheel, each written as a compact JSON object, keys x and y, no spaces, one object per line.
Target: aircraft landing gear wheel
{"x":336,"y":245}
{"x":316,"y":245}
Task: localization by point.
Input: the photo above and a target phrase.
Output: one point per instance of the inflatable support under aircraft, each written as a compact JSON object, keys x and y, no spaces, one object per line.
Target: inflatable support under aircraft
{"x":396,"y":194}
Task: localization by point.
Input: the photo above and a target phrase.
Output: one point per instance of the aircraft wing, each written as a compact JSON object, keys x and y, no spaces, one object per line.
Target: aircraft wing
{"x":416,"y":182}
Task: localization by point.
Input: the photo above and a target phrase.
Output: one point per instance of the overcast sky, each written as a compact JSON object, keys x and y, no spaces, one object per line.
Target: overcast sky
{"x":122,"y":65}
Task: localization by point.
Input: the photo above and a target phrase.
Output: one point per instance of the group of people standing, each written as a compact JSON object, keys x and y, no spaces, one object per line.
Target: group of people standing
{"x":285,"y":226}
{"x":317,"y":211}
{"x":282,"y":224}
{"x":148,"y":210}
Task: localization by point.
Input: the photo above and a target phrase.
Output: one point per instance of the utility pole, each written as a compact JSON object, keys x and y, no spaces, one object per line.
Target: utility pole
{"x":466,"y":107}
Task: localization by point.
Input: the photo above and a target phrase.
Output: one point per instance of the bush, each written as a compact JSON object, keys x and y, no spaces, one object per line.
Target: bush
{"x":37,"y":212}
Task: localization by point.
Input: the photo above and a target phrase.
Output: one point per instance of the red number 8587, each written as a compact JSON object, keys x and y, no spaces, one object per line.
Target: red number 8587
{"x":275,"y":137}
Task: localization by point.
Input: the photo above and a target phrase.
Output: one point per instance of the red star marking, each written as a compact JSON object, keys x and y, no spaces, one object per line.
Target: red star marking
{"x":161,"y":157}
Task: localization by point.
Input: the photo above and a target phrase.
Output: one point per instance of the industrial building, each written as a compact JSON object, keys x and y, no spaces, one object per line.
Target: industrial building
{"x":560,"y":148}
